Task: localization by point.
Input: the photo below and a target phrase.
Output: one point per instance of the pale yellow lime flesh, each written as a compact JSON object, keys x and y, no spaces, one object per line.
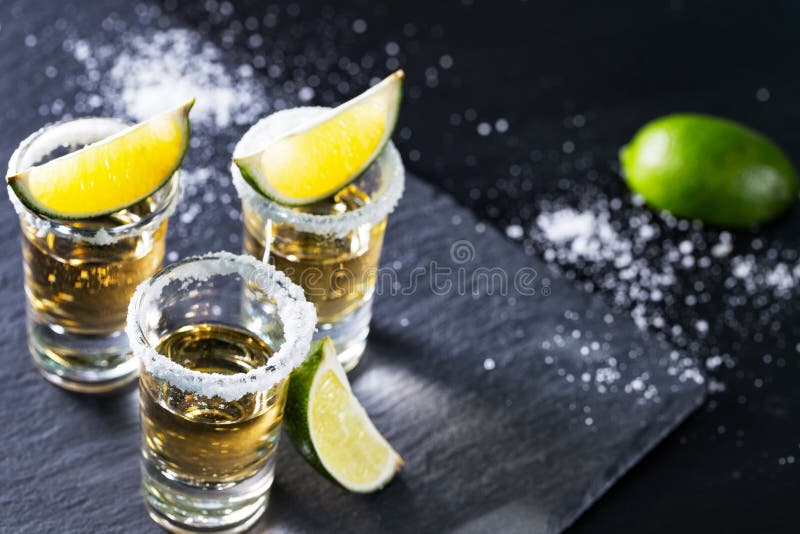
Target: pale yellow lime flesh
{"x":347,"y":443}
{"x":315,"y":160}
{"x":108,"y":175}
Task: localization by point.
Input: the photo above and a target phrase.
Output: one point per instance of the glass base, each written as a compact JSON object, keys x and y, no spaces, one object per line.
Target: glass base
{"x":82,"y":363}
{"x":179,"y":507}
{"x":349,"y":334}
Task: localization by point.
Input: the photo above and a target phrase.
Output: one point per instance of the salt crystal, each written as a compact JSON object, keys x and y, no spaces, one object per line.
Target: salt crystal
{"x":359,"y":26}
{"x":721,"y":249}
{"x":646,"y":232}
{"x":305,"y":94}
{"x":742,"y":267}
{"x":514,"y":231}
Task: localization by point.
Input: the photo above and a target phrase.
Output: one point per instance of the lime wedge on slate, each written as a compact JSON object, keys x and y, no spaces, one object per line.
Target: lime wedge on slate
{"x":316,"y":159}
{"x":108,"y":175}
{"x":711,"y":169}
{"x":331,"y":430}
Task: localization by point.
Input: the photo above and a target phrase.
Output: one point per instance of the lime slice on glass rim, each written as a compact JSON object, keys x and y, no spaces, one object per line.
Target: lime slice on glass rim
{"x":331,"y":430}
{"x":318,"y":158}
{"x":109,"y":175}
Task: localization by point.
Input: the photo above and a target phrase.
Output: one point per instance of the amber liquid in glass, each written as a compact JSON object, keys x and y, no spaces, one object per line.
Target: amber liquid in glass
{"x":207,"y":441}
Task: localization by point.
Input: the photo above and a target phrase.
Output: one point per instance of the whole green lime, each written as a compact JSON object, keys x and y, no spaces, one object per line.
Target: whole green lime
{"x":708,"y":168}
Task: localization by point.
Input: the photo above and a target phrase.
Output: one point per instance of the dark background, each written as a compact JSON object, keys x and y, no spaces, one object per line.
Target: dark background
{"x":618,"y":64}
{"x":539,"y":66}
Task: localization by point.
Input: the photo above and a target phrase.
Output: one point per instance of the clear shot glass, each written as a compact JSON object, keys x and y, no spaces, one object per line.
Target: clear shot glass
{"x":330,"y":248}
{"x":80,"y":274}
{"x":217,"y":336}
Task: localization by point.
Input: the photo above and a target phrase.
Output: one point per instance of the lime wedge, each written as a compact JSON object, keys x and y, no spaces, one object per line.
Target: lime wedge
{"x":108,"y":175}
{"x":331,"y":430}
{"x":316,"y":159}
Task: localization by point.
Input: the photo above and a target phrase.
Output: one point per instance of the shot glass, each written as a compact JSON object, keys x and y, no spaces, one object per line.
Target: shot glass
{"x":217,"y":336}
{"x":81,"y":274}
{"x":330,"y":248}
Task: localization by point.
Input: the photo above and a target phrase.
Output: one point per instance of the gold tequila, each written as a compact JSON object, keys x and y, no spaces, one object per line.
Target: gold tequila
{"x":337,"y":273}
{"x":212,"y":391}
{"x":207,"y":441}
{"x":330,"y":248}
{"x":85,"y":288}
{"x":80,"y":274}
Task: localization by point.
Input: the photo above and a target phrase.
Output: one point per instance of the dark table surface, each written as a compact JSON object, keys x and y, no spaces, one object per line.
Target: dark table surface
{"x":731,"y":467}
{"x":572,"y":83}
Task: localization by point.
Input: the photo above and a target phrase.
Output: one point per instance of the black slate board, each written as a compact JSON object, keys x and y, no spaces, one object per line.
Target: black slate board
{"x":484,"y":449}
{"x":507,"y":447}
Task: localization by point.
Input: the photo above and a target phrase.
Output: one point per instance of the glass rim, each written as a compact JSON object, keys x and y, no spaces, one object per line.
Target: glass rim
{"x":84,"y":130}
{"x":382,"y":204}
{"x":297,"y":315}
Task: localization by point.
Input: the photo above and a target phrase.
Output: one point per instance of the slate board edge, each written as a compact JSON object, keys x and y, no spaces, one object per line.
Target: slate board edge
{"x":667,"y":429}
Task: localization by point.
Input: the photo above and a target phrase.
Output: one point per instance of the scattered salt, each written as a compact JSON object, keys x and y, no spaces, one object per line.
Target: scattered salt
{"x":155,"y":70}
{"x":566,"y":225}
{"x":614,"y":251}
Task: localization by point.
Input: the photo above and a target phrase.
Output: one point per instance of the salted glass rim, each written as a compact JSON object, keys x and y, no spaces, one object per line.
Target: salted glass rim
{"x":83,"y":131}
{"x":297,"y":316}
{"x":381,"y":205}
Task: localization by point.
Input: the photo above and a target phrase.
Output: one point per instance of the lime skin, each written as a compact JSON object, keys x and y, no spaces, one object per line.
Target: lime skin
{"x":295,"y":416}
{"x":708,"y":168}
